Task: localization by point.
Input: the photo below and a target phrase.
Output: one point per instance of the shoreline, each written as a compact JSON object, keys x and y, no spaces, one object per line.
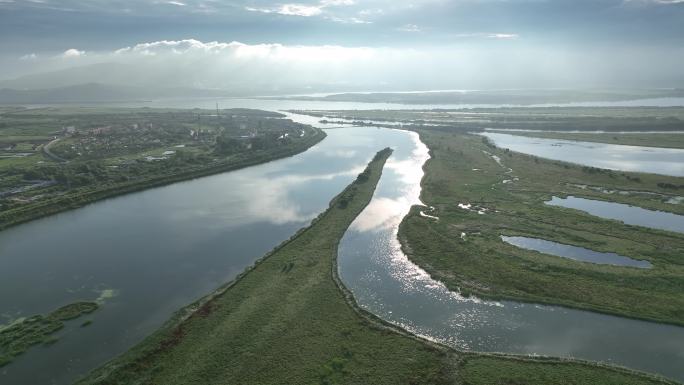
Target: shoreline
{"x":66,"y":203}
{"x":455,"y":356}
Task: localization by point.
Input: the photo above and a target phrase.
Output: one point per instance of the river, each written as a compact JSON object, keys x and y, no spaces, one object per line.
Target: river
{"x":385,"y":282}
{"x":160,"y":249}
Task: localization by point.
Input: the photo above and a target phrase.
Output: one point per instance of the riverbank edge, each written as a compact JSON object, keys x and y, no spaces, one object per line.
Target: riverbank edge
{"x":459,"y":356}
{"x":63,"y":204}
{"x":184,"y":313}
{"x":463,"y":355}
{"x":527,"y":300}
{"x":401,"y":234}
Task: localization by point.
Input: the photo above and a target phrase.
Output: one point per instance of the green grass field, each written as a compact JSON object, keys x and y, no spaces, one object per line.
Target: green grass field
{"x":488,"y":370}
{"x":481,"y":263}
{"x":288,"y":320}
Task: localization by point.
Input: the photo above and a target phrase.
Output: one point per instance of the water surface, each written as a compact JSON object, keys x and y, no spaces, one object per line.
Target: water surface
{"x":666,"y":161}
{"x":631,"y":215}
{"x":162,"y":248}
{"x":574,"y":252}
{"x":386,"y":283}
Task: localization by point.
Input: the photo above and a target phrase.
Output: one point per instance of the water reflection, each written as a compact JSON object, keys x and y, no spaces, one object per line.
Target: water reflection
{"x":383,"y":280}
{"x":161,"y":249}
{"x":667,"y":161}
{"x":574,"y":252}
{"x":387,"y":211}
{"x":628,"y":214}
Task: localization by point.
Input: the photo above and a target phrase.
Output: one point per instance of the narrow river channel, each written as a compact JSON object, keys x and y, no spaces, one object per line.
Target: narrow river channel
{"x":387,"y":283}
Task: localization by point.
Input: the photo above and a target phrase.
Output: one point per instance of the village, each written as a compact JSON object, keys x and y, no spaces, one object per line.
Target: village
{"x":48,"y":152}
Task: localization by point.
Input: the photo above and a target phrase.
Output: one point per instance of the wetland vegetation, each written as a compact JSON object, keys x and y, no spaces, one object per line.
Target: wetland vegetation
{"x":191,"y":192}
{"x":480,"y":192}
{"x":289,"y":319}
{"x":565,"y":119}
{"x":284,"y":321}
{"x":17,"y":337}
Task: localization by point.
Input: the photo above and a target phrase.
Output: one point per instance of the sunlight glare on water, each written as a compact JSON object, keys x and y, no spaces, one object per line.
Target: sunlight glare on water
{"x":385,"y":282}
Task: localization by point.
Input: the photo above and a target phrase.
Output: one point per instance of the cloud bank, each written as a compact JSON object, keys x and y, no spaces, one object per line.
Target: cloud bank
{"x":499,"y":60}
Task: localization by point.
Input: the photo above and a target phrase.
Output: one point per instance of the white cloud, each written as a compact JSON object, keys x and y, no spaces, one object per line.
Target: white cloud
{"x":290,"y":10}
{"x":29,"y":56}
{"x":501,"y":36}
{"x":348,"y":20}
{"x":268,"y":69}
{"x":505,"y":36}
{"x":309,"y":10}
{"x":72,"y":53}
{"x":299,"y":10}
{"x":334,"y":3}
{"x":237,"y":50}
{"x":170,"y":2}
{"x":651,"y":2}
{"x":409,"y":28}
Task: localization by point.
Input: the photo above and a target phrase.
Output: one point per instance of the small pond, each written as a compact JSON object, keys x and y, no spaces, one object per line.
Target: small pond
{"x":631,"y":215}
{"x":574,"y":252}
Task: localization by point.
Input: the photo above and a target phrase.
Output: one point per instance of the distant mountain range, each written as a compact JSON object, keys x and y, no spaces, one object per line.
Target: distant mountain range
{"x":105,"y":73}
{"x":99,"y":93}
{"x":107,"y":82}
{"x":513,"y":97}
{"x":117,"y":82}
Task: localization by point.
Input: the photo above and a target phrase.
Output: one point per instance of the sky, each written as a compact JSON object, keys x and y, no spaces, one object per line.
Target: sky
{"x":372,"y":44}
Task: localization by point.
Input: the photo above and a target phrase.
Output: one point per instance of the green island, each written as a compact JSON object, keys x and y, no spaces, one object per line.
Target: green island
{"x":464,"y":249}
{"x":17,"y":337}
{"x":289,"y":319}
{"x":56,"y":159}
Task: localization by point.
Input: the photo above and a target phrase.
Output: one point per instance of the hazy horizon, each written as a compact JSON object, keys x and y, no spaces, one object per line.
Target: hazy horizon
{"x":342,"y":45}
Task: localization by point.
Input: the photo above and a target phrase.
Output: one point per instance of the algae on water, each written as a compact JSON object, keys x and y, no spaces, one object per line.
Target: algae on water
{"x":18,"y":336}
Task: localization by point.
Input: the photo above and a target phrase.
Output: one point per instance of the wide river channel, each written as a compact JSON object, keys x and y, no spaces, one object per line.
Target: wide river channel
{"x":149,"y":253}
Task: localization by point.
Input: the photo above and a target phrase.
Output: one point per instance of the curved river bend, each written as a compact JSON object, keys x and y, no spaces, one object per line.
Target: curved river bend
{"x":389,"y":285}
{"x":160,"y":249}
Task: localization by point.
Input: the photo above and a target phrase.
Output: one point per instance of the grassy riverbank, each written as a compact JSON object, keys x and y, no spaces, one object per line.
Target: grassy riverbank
{"x":463,"y":248}
{"x":285,"y":321}
{"x":288,"y":320}
{"x":488,"y":370}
